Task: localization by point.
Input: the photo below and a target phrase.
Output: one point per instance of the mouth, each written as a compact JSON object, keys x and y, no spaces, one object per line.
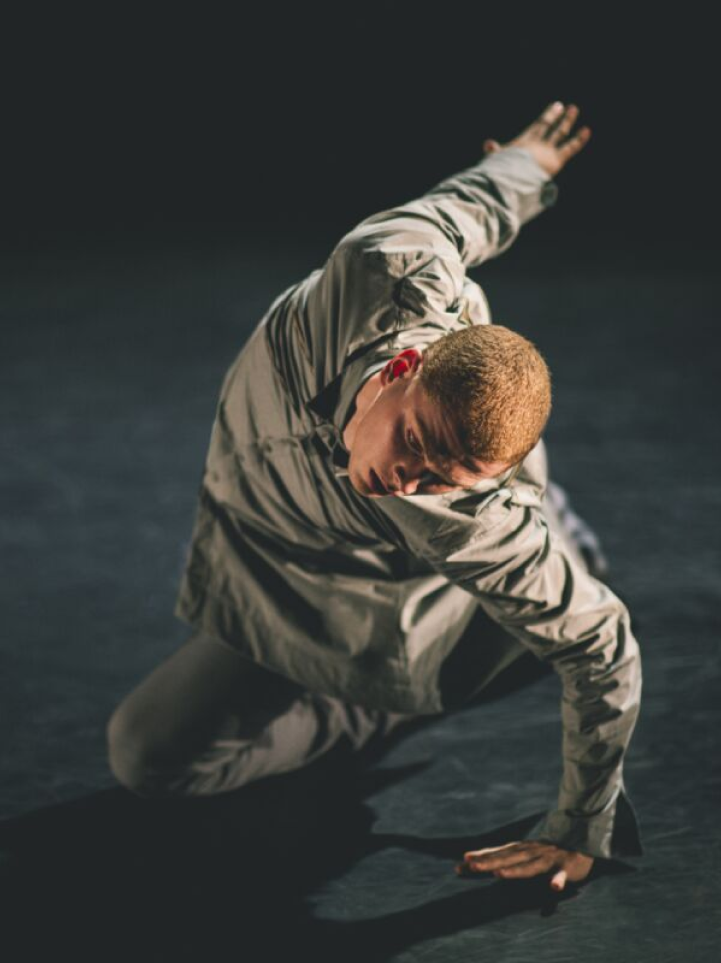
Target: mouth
{"x":377,"y":486}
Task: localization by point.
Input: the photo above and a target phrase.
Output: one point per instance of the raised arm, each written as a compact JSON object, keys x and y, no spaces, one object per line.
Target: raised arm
{"x":408,"y":262}
{"x":479,"y":211}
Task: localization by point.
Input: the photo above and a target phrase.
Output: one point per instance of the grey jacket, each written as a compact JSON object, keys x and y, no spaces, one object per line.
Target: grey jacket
{"x":365,"y":598}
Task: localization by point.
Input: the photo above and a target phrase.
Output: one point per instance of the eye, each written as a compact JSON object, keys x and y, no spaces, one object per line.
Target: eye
{"x":413,"y":443}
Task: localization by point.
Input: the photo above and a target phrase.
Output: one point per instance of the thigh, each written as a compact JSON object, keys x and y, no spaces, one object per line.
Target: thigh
{"x":187,"y":700}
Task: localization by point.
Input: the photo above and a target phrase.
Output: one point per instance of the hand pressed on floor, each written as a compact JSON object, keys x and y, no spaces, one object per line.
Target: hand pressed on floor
{"x":521,"y":860}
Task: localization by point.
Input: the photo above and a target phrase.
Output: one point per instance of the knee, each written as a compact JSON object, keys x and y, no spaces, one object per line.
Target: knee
{"x":133,"y":756}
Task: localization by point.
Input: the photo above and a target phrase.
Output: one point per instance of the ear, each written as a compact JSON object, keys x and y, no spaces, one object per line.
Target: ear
{"x":405,"y":362}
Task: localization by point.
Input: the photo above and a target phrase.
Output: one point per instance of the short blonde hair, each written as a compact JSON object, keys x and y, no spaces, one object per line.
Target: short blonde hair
{"x":495,"y":387}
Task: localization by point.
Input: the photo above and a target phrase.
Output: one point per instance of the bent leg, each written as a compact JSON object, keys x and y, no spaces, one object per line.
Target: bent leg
{"x":208,"y":720}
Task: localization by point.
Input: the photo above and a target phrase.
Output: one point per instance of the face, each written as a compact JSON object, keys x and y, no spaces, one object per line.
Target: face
{"x":387,"y":437}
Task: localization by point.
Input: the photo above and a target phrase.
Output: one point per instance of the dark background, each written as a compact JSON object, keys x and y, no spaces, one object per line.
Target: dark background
{"x":164,"y":177}
{"x":279,"y":124}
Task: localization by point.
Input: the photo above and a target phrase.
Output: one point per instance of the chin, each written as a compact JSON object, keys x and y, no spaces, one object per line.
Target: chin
{"x":365,"y":491}
{"x":361,"y":486}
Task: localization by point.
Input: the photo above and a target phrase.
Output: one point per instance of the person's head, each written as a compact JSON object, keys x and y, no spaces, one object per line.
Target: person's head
{"x":470,"y":407}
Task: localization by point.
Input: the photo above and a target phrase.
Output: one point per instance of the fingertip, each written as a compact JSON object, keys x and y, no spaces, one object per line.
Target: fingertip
{"x":558,"y":881}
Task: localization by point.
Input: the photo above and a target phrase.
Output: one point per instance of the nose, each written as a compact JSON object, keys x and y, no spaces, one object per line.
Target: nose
{"x":402,"y":482}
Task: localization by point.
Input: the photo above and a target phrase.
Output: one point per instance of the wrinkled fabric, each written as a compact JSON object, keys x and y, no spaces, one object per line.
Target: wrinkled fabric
{"x":363,"y":599}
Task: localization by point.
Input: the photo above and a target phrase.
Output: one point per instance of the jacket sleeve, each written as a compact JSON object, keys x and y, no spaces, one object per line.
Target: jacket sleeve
{"x":409,"y":262}
{"x":525,"y":579}
{"x":472,"y":216}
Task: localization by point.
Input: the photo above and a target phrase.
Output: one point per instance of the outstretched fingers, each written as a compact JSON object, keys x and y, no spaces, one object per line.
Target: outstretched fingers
{"x":549,"y":116}
{"x":574,"y":144}
{"x":526,"y":858}
{"x":566,"y":121}
{"x":495,"y":858}
{"x":526,"y":869}
{"x":487,"y":860}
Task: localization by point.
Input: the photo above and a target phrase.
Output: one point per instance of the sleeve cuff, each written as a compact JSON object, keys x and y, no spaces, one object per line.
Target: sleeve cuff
{"x":533,"y":186}
{"x":613,"y":834}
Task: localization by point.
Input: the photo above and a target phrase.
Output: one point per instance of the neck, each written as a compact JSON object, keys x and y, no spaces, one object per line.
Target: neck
{"x":364,"y":398}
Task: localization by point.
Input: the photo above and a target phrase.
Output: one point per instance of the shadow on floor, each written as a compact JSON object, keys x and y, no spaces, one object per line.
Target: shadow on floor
{"x":116,"y":876}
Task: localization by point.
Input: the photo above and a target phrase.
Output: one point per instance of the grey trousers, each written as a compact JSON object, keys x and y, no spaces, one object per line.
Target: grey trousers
{"x":208,"y":720}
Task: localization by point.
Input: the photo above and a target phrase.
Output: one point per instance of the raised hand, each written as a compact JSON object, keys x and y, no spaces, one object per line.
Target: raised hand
{"x":525,"y":859}
{"x":549,"y":138}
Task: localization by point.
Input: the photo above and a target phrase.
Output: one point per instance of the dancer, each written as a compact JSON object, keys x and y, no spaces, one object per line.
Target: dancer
{"x":376,"y":534}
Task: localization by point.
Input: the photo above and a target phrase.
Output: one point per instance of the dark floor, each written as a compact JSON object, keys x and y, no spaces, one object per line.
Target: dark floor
{"x":106,"y":412}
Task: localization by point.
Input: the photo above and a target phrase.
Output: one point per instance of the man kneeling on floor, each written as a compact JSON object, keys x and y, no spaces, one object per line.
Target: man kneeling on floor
{"x":376,"y":534}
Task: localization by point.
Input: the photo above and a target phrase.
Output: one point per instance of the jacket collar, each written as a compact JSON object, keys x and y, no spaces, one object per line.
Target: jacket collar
{"x":334,"y":405}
